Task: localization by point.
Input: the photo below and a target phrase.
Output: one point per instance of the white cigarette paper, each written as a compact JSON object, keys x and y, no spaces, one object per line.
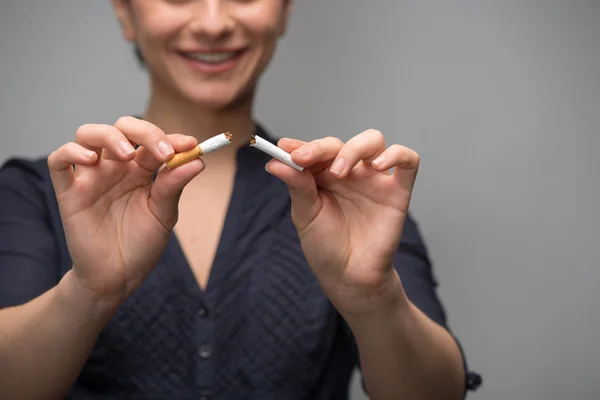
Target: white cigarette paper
{"x":274,"y":151}
{"x":208,"y":146}
{"x":215,"y":143}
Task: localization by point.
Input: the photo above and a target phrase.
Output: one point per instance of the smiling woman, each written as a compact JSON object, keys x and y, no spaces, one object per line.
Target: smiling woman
{"x":244,"y":278}
{"x":171,"y":38}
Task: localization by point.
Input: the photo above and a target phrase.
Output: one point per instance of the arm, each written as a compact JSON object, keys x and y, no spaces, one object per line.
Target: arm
{"x":406,"y":348}
{"x":117,"y":220}
{"x":349,"y":206}
{"x":404,"y":354}
{"x":45,"y":342}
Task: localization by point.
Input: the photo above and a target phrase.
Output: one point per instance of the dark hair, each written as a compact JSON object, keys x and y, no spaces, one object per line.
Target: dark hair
{"x":139,"y":56}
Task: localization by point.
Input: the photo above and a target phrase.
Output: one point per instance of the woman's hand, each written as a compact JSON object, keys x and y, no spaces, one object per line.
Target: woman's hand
{"x":117,"y":221}
{"x":350,"y":212}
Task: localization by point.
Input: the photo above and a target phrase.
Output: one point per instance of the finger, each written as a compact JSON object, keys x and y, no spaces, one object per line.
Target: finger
{"x":290,"y":145}
{"x":167,"y":188}
{"x":404,"y":160}
{"x":303,"y":192}
{"x":179,"y":143}
{"x":319,"y":167}
{"x":147,"y":135}
{"x":98,"y":137}
{"x":61,"y":161}
{"x":364,"y":146}
{"x":317,"y":151}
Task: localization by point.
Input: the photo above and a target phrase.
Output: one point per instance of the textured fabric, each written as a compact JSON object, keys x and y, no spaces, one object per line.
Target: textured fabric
{"x":263,"y":329}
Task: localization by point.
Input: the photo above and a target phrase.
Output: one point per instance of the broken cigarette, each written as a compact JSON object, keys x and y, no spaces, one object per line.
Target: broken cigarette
{"x":274,"y":151}
{"x":208,"y":146}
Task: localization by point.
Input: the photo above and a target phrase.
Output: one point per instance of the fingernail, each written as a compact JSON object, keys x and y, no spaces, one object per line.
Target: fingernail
{"x":338,"y":166}
{"x":267,"y":167}
{"x":88,"y":153}
{"x":165,"y":148}
{"x":379,"y":161}
{"x":303,"y":151}
{"x":126,"y":147}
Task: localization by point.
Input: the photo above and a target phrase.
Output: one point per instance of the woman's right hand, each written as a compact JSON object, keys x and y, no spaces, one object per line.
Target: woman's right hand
{"x":117,"y":220}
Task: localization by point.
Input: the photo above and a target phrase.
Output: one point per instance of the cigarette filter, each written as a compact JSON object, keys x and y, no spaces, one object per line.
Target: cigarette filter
{"x":208,"y":146}
{"x":274,"y":151}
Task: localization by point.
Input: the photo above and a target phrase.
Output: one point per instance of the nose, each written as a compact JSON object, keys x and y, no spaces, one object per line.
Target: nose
{"x":211,"y":20}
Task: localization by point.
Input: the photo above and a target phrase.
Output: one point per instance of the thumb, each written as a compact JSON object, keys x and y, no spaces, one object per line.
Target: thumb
{"x":166,"y":191}
{"x":306,"y":202}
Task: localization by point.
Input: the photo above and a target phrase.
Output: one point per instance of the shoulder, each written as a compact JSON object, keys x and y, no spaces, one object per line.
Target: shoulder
{"x":30,"y":169}
{"x":24,"y":179}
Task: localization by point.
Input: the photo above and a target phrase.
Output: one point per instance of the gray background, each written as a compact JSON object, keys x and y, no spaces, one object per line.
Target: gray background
{"x":500,"y":98}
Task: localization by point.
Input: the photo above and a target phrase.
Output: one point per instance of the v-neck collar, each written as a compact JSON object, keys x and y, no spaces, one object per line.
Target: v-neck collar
{"x":249,"y":182}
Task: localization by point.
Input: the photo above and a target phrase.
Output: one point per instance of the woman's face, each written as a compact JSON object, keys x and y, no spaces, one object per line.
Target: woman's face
{"x":211,"y":52}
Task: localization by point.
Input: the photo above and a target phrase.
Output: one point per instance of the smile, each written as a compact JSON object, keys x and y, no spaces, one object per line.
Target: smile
{"x":212,"y":58}
{"x":213,"y":62}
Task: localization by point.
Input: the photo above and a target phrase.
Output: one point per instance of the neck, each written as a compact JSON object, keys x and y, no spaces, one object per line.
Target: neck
{"x":174,"y":114}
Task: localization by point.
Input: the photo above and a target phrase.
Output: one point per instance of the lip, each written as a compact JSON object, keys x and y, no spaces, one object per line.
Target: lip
{"x":212,"y":68}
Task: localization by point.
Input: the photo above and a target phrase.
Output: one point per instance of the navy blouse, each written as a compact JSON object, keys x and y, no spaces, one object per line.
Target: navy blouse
{"x":262,"y":329}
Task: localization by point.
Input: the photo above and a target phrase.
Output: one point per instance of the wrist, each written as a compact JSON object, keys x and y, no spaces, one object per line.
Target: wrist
{"x":390,"y":322}
{"x":72,"y":295}
{"x":375,"y":303}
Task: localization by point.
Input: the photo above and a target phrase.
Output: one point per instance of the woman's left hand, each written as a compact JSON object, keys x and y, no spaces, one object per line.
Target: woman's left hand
{"x":350,"y":212}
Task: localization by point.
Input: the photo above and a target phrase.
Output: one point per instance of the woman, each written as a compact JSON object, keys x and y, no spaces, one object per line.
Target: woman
{"x":118,"y":283}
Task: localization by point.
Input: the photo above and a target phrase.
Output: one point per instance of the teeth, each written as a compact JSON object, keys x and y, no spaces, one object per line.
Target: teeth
{"x":212,"y":57}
